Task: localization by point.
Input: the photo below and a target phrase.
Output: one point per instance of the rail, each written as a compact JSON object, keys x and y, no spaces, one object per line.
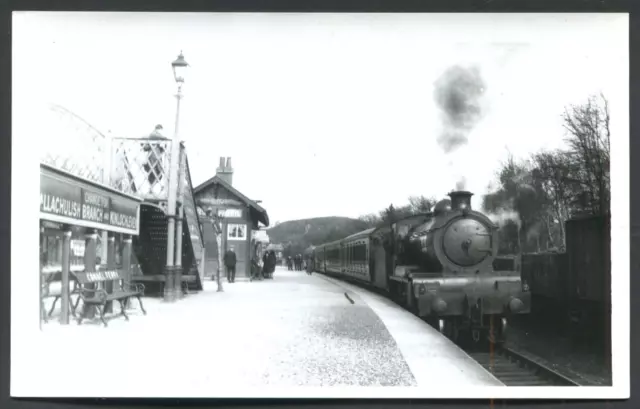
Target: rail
{"x":515,"y":369}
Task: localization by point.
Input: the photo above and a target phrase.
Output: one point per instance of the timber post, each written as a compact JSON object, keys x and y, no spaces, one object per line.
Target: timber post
{"x":66,"y":265}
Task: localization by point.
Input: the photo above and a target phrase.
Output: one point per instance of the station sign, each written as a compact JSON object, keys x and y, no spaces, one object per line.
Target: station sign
{"x":65,"y":200}
{"x":230,"y":213}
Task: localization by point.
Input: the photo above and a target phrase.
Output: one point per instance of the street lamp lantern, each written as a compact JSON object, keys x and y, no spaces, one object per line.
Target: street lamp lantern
{"x":179,"y":68}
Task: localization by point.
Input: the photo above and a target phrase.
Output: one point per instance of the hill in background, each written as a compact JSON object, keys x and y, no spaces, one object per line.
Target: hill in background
{"x":297,"y":235}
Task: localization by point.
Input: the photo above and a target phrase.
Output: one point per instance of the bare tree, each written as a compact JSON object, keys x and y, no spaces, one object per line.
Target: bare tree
{"x":421,"y":204}
{"x":417,"y":205}
{"x":553,"y":174}
{"x":371,"y":220}
{"x":589,"y":138}
{"x":389,"y":215}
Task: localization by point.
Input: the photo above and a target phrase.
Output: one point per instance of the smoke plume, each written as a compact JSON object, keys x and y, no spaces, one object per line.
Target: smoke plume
{"x":461,"y":184}
{"x":501,"y":218}
{"x":458,"y":94}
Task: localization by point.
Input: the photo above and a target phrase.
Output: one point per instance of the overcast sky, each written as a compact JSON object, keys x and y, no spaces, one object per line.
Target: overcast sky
{"x":325,"y":114}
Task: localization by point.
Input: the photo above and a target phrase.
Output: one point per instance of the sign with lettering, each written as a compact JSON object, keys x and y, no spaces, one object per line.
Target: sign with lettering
{"x":65,"y":200}
{"x":230,"y":213}
{"x":96,"y":276}
{"x":77,"y":248}
{"x":210,"y":201}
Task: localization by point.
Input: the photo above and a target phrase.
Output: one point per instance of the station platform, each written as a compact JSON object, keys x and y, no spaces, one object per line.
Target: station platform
{"x":294,"y":330}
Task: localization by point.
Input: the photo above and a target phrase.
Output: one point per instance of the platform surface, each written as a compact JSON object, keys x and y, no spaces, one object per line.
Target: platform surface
{"x":294,"y":330}
{"x":422,"y":347}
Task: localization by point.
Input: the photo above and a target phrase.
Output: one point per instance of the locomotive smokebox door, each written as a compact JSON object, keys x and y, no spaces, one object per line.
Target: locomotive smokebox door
{"x":467,"y":242}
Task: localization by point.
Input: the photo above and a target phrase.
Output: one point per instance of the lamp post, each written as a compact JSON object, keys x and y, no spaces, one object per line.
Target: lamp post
{"x":179,"y":68}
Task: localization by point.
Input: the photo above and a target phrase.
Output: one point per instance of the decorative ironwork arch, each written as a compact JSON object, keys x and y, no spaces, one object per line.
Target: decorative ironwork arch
{"x":74,"y":145}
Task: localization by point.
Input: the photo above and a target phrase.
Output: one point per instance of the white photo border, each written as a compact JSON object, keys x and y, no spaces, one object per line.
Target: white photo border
{"x":25,"y":382}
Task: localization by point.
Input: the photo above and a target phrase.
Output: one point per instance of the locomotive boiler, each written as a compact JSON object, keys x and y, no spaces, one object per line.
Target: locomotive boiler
{"x":439,"y":265}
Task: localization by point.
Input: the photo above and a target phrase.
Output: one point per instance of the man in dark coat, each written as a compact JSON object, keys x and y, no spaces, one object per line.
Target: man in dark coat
{"x":272,"y":262}
{"x":230,"y":264}
{"x":265,"y":264}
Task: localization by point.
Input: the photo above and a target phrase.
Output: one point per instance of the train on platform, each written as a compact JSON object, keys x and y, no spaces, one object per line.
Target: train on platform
{"x":443,"y":266}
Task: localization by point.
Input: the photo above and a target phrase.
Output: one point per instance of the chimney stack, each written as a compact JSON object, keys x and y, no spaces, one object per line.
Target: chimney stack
{"x":225,"y":171}
{"x":460,"y":200}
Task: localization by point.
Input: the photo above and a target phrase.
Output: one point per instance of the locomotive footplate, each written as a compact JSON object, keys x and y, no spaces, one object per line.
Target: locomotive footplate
{"x":461,"y":295}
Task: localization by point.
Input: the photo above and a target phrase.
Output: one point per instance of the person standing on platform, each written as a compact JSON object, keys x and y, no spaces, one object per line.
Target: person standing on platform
{"x":310,"y":264}
{"x":272,"y":263}
{"x":265,"y":264}
{"x":256,"y":269}
{"x":230,"y":264}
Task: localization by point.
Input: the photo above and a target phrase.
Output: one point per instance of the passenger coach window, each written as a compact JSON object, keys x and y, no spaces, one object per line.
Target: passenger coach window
{"x":358,"y":253}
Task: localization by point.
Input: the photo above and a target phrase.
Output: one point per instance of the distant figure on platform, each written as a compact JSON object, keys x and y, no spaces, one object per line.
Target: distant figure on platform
{"x":272,"y":263}
{"x":256,"y":269}
{"x":230,"y":264}
{"x":265,"y":264}
{"x":289,"y":263}
{"x":310,"y":264}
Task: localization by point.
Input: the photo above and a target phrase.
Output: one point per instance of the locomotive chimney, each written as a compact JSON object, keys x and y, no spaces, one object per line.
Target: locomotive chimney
{"x":460,"y":200}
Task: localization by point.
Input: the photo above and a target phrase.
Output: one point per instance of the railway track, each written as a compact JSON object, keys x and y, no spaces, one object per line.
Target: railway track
{"x":515,"y":369}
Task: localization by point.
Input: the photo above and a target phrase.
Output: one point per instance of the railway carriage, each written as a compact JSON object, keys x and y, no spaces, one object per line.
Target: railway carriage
{"x":441,"y":266}
{"x":355,"y":255}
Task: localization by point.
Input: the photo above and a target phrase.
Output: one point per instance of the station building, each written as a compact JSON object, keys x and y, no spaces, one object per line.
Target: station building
{"x":241,"y":217}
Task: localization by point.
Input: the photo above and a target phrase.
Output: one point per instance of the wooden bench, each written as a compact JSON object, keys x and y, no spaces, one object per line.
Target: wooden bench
{"x":53,"y":274}
{"x":98,"y":297}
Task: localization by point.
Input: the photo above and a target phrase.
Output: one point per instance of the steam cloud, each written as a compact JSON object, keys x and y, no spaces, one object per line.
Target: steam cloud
{"x":504,"y":216}
{"x":461,"y":184}
{"x":458,"y":92}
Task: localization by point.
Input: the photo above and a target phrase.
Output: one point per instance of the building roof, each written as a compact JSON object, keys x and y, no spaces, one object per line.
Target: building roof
{"x":259,"y":212}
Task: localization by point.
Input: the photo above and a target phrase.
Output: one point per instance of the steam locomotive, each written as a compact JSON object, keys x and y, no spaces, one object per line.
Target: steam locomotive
{"x":443,"y":266}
